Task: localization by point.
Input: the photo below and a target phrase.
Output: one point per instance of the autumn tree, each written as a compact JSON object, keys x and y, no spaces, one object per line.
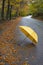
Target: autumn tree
{"x":8,"y":10}
{"x":36,"y":8}
{"x":10,"y":14}
{"x":21,"y":7}
{"x":2,"y":13}
{"x":14,"y":8}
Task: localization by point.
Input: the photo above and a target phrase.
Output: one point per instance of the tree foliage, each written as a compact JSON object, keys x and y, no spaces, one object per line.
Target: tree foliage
{"x":36,"y":8}
{"x":14,"y":8}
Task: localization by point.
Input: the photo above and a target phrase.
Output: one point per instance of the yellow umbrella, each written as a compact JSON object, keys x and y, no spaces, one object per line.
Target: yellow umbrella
{"x":30,"y":33}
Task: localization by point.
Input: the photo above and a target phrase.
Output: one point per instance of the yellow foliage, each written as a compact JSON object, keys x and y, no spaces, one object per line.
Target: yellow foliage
{"x":13,"y":12}
{"x":18,"y":0}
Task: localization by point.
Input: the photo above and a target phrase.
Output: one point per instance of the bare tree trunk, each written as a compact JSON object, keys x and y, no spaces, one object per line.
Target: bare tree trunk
{"x":2,"y":13}
{"x":8,"y":10}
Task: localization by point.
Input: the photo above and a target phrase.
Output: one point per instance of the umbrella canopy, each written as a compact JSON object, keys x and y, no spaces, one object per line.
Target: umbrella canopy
{"x":30,"y":33}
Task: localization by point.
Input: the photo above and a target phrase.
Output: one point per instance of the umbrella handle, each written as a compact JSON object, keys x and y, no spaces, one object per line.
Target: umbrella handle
{"x":22,"y":41}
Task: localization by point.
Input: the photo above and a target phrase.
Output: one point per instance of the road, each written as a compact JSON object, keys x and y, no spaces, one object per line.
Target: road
{"x":32,"y":54}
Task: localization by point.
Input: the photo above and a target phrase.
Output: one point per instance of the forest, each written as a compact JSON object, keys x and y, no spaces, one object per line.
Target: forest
{"x":14,"y":8}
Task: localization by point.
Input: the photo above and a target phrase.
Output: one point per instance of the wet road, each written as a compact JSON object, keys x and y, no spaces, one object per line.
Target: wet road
{"x":30,"y":53}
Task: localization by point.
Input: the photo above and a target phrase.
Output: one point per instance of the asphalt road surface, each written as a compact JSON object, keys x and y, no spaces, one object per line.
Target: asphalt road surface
{"x":30,"y":53}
